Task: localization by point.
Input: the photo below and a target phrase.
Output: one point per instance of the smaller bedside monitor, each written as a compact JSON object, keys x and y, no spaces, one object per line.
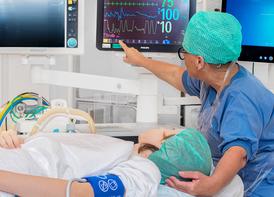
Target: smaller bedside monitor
{"x":41,"y":27}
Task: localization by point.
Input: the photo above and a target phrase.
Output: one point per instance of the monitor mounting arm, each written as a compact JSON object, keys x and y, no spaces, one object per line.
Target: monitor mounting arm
{"x":145,"y":87}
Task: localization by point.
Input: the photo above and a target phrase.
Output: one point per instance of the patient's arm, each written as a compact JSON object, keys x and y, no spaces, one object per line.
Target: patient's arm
{"x":27,"y":185}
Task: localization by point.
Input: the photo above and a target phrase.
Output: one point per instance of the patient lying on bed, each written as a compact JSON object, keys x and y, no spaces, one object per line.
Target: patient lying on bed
{"x":68,"y":156}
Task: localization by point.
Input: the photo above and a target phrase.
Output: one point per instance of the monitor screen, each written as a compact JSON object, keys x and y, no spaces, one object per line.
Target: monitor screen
{"x":40,"y":26}
{"x":257,"y":20}
{"x":148,"y":25}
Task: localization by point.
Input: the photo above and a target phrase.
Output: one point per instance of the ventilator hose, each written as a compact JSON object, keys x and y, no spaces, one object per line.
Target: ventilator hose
{"x":67,"y":111}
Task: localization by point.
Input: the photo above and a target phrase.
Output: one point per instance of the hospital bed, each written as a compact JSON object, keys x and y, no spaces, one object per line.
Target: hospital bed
{"x":76,"y":155}
{"x":70,"y":155}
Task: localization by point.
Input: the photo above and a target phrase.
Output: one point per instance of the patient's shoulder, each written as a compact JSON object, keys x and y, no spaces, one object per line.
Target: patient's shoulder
{"x":140,"y":176}
{"x":141,"y":166}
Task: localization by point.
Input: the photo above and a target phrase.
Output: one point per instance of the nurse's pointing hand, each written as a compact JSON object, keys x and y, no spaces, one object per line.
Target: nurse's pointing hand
{"x":133,"y":56}
{"x":201,"y":185}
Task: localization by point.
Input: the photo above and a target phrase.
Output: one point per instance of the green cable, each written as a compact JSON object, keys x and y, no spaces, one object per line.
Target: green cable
{"x":37,"y":110}
{"x":12,"y":118}
{"x":20,"y":97}
{"x":13,"y":113}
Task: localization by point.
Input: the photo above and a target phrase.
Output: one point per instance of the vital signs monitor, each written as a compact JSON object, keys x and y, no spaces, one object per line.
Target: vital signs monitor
{"x":148,"y":25}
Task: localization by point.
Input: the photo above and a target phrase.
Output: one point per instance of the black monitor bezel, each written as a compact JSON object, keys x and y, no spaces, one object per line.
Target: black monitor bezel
{"x":140,"y":47}
{"x":254,"y":53}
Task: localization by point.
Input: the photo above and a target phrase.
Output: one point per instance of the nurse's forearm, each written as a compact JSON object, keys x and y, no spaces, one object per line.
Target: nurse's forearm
{"x":170,"y":73}
{"x":229,"y":165}
{"x":27,"y":185}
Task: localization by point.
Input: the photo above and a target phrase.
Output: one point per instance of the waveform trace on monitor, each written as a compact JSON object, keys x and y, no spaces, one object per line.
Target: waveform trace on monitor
{"x":150,"y":27}
{"x":121,"y":14}
{"x":130,"y":4}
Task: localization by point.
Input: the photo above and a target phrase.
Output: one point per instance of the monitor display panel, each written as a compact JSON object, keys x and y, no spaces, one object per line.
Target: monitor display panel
{"x":148,"y":25}
{"x":41,"y":27}
{"x":257,"y":20}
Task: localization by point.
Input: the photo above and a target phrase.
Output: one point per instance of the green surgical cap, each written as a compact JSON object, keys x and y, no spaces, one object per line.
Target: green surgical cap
{"x":215,"y":36}
{"x":186,"y":151}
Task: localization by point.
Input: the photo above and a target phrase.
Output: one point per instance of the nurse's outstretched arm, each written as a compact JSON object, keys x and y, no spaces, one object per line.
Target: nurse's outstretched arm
{"x":33,"y":186}
{"x":170,"y":73}
{"x":232,"y":161}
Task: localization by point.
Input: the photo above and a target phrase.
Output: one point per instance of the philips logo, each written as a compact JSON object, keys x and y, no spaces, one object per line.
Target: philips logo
{"x":146,"y":48}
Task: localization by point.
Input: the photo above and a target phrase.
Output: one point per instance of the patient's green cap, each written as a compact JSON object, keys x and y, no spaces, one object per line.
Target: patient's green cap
{"x":186,"y":151}
{"x":215,"y":36}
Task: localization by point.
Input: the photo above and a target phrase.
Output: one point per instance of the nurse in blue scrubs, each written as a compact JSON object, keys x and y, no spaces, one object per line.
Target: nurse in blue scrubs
{"x":237,"y":111}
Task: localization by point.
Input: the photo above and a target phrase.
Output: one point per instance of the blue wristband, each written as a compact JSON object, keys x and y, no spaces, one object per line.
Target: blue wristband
{"x":108,"y":185}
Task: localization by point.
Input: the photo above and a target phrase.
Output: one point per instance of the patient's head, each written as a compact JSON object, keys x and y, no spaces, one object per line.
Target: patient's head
{"x":156,"y":136}
{"x":148,"y":146}
{"x":144,"y":150}
{"x":151,"y":140}
{"x":186,"y":151}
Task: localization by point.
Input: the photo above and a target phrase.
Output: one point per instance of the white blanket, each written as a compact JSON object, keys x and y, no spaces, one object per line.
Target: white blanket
{"x":76,"y":155}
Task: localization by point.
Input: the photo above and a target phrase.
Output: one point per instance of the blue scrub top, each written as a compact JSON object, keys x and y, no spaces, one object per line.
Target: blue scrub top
{"x":244,"y":117}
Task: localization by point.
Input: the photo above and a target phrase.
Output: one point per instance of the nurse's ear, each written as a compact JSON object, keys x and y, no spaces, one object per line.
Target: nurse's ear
{"x":200,"y":63}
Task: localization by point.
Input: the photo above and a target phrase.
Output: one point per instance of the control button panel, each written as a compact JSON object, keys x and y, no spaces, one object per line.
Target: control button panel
{"x":72,"y":23}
